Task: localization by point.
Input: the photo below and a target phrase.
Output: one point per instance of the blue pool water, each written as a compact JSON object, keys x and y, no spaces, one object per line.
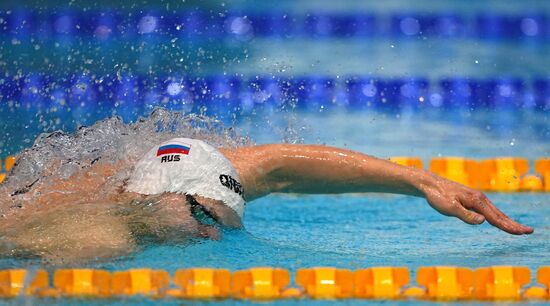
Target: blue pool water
{"x":360,"y":230}
{"x":355,"y":232}
{"x":115,"y":61}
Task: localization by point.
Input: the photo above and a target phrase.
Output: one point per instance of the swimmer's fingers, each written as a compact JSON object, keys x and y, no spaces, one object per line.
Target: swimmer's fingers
{"x":479,"y":203}
{"x":468,"y":216}
{"x":454,"y":208}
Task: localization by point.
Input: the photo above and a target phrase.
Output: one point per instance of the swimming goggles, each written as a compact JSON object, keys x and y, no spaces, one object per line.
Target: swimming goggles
{"x":199,"y":212}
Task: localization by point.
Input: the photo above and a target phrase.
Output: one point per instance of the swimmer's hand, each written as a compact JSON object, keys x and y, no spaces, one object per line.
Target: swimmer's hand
{"x":471,"y":206}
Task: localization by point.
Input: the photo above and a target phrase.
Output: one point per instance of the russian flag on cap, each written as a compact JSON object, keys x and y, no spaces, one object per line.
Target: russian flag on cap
{"x":174,"y":148}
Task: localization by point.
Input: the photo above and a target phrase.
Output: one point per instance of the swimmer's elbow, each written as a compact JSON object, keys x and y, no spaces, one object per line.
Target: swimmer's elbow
{"x":274,"y":168}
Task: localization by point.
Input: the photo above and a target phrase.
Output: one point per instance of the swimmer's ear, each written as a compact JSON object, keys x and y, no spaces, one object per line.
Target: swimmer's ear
{"x":223,"y":214}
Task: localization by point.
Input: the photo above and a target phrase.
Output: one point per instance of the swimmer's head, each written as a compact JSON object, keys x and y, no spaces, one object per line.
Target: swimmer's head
{"x":188,"y":166}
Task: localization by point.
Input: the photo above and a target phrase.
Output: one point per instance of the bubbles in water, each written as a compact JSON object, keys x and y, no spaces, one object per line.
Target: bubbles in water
{"x":147,"y":24}
{"x":241,"y":27}
{"x":505,"y":90}
{"x":408,"y":90}
{"x":63,"y":24}
{"x":529,"y":27}
{"x":103,"y":32}
{"x":174,"y":89}
{"x":436,"y":100}
{"x":369,"y":90}
{"x":410,"y":26}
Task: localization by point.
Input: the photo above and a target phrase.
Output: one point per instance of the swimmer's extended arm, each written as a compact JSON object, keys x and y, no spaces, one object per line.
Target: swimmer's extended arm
{"x":321,"y":169}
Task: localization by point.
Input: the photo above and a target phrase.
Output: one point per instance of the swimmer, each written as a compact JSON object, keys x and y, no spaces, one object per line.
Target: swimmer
{"x":184,"y":188}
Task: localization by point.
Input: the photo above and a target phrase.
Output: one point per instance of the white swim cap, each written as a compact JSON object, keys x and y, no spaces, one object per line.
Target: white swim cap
{"x":188,"y":166}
